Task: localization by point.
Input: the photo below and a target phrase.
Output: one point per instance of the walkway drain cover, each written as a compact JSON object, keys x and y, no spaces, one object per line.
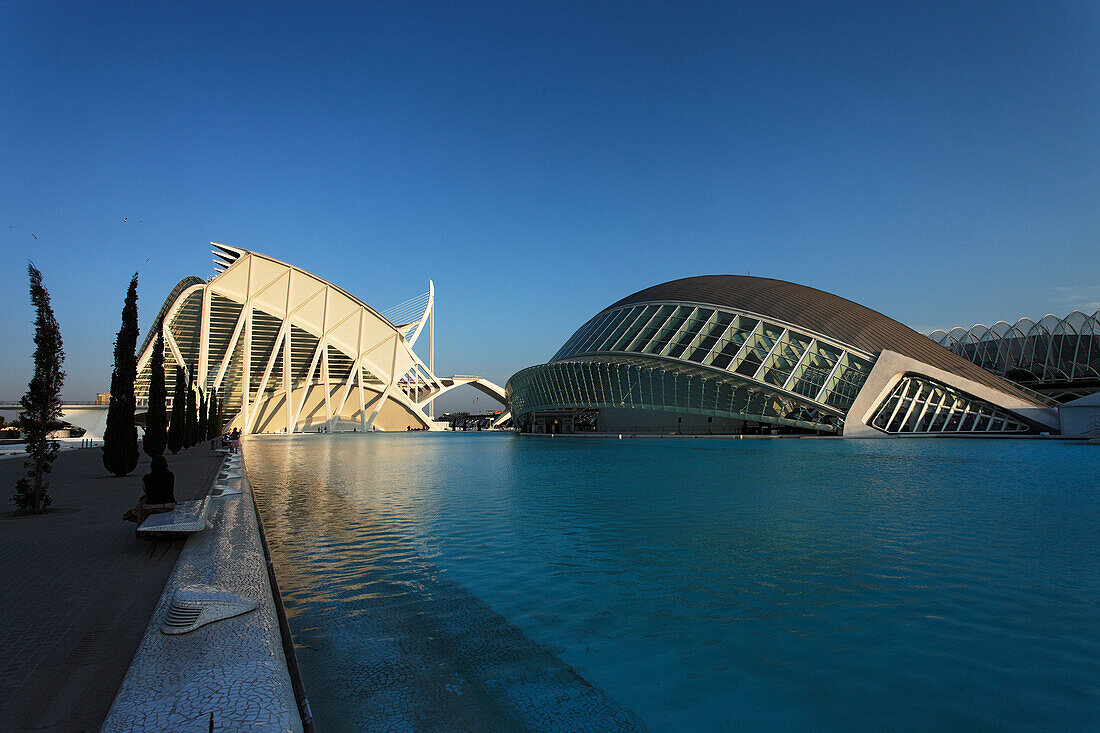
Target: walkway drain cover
{"x":196,"y":605}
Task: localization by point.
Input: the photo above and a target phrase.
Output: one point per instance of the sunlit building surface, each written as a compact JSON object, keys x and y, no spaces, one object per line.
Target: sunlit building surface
{"x":1059,"y":357}
{"x":737,"y":354}
{"x":286,"y":351}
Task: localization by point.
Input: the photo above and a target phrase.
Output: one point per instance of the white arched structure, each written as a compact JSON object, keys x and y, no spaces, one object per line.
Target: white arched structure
{"x":1051,"y":350}
{"x":287,"y":351}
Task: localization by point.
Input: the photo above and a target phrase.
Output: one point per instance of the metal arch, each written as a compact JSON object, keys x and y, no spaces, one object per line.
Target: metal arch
{"x":429,"y":312}
{"x":1051,"y":349}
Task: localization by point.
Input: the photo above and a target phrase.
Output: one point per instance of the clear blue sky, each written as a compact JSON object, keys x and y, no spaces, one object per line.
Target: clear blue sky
{"x":936,"y":161}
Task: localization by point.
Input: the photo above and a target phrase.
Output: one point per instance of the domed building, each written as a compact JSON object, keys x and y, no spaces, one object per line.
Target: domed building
{"x":731,"y":354}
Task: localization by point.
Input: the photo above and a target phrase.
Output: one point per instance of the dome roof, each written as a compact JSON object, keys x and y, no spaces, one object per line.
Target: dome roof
{"x":822,"y":313}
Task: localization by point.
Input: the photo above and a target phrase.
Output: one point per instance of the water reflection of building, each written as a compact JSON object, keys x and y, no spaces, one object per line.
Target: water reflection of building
{"x":736,"y":354}
{"x":286,"y":351}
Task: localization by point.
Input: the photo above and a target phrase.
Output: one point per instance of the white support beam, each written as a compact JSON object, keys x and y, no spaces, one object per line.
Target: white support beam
{"x":359,"y":370}
{"x":267,"y":370}
{"x":308,"y":383}
{"x":389,"y":387}
{"x":288,"y":373}
{"x":229,"y":350}
{"x":794,"y":375}
{"x":758,"y":375}
{"x":204,"y":338}
{"x":171,"y":341}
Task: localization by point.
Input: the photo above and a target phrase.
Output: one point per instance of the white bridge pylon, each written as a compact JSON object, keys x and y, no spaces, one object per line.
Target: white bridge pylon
{"x":287,"y":351}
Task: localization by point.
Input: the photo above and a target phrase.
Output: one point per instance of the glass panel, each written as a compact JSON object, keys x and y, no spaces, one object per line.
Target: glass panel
{"x":669,"y":330}
{"x":756,"y":350}
{"x":650,"y":329}
{"x":784,"y":358}
{"x":727,"y":348}
{"x":642,"y":316}
{"x":598,"y":332}
{"x":614,"y":330}
{"x":847,"y":381}
{"x":690,"y":330}
{"x":815,"y":370}
{"x":705,"y":339}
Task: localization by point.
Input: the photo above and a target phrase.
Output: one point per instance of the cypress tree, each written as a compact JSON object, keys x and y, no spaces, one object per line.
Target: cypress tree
{"x":42,"y":402}
{"x":212,"y":430}
{"x":202,"y":433}
{"x":156,"y":419}
{"x":190,"y":421}
{"x":179,"y":409}
{"x":120,"y":448}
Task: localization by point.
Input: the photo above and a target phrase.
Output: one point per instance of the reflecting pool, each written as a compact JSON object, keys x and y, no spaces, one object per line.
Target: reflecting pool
{"x":498,"y":581}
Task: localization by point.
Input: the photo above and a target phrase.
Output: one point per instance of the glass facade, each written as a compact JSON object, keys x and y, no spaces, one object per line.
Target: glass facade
{"x":922,"y":405}
{"x":650,"y":384}
{"x":779,"y":359}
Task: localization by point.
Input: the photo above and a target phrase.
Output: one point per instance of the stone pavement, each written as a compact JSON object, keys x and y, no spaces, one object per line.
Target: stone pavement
{"x":77,"y":588}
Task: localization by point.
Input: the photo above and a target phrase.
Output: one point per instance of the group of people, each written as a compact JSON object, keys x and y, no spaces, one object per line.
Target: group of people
{"x":232,"y":440}
{"x":159,"y":485}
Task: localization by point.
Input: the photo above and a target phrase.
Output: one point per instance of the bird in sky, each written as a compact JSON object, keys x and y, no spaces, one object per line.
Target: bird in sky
{"x":125,"y":218}
{"x":34,"y":235}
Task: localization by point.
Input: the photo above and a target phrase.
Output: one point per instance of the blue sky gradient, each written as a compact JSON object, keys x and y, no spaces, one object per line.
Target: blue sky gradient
{"x":939,"y":162}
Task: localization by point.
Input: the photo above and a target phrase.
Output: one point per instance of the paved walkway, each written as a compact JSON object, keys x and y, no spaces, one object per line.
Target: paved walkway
{"x":77,"y":589}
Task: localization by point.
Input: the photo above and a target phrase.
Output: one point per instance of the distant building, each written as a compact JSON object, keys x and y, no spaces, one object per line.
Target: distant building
{"x":103,"y":398}
{"x":1059,"y":357}
{"x":729,"y":354}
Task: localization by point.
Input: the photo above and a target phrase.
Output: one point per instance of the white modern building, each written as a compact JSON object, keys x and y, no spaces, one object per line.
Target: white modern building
{"x":1059,"y":357}
{"x":286,"y":351}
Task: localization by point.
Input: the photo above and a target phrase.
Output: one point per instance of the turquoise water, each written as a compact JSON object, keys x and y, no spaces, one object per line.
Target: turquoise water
{"x":700,"y":584}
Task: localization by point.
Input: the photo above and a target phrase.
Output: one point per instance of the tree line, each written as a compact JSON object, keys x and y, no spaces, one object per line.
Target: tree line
{"x":196,"y":415}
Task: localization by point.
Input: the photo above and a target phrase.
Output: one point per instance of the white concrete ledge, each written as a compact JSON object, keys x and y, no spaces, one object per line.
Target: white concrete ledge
{"x":187,"y":518}
{"x":233,"y":668}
